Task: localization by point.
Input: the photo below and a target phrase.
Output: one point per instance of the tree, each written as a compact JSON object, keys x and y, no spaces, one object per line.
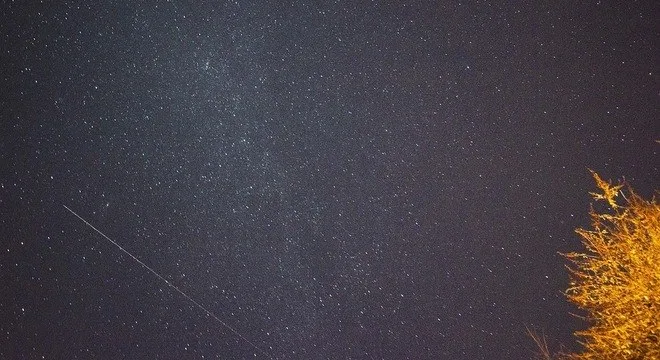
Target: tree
{"x":617,"y":280}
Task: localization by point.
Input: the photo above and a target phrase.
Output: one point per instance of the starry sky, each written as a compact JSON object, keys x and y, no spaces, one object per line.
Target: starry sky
{"x":331,"y":179}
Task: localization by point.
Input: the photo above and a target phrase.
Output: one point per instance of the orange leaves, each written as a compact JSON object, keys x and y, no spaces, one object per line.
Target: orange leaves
{"x":609,"y":192}
{"x":617,"y":280}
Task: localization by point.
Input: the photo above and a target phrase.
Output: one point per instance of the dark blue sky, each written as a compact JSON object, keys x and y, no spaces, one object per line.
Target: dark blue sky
{"x":334,"y":180}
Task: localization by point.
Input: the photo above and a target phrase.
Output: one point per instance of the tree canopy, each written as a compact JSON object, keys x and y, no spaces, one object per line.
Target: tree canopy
{"x":616,"y":281}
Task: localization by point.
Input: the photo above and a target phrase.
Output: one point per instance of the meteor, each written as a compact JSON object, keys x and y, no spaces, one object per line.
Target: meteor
{"x":207,"y":311}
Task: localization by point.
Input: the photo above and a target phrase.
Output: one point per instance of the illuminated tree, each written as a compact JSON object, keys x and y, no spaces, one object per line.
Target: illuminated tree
{"x":617,"y":280}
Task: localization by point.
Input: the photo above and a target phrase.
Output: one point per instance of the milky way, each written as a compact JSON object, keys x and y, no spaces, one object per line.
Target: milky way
{"x":333,"y":180}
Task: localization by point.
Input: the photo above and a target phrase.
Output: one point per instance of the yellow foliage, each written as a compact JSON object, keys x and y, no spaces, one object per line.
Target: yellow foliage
{"x":609,"y":192}
{"x":617,"y":280}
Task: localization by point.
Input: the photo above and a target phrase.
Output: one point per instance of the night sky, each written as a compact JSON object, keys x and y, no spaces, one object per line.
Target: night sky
{"x":337,"y":180}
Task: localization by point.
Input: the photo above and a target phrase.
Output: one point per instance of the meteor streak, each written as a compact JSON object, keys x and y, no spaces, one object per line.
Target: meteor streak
{"x":207,"y":311}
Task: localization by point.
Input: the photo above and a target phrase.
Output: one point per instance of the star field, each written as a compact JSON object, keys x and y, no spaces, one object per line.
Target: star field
{"x":338,"y":180}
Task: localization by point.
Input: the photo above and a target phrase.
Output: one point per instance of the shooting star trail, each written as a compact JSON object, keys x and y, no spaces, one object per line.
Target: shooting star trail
{"x":207,"y":311}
